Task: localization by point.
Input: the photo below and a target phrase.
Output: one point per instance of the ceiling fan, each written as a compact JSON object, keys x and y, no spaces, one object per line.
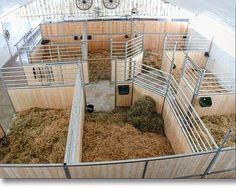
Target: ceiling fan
{"x":111,"y":4}
{"x":84,"y":4}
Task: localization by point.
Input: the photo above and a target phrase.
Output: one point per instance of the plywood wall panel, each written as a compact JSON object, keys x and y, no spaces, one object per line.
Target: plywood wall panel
{"x":222,"y":175}
{"x":178,"y":167}
{"x":58,"y":97}
{"x":221,"y":104}
{"x":174,"y":132}
{"x":226,"y":160}
{"x":126,"y":170}
{"x":32,"y":172}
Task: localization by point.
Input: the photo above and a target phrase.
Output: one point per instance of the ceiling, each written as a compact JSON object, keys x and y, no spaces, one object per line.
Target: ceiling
{"x":6,"y":5}
{"x":221,"y":10}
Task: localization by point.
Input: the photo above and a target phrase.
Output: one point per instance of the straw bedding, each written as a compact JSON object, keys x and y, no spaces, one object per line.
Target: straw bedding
{"x":109,"y":136}
{"x":36,"y":136}
{"x":153,"y":59}
{"x":219,"y":125}
{"x":99,"y":68}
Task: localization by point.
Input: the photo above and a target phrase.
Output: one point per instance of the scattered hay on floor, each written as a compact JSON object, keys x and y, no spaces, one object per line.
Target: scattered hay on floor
{"x":219,"y":125}
{"x":143,"y":116}
{"x":37,"y":136}
{"x":107,"y":136}
{"x":99,"y":68}
{"x":153,"y":59}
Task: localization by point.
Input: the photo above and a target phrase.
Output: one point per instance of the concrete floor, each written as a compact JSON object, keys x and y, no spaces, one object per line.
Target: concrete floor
{"x":101,"y":94}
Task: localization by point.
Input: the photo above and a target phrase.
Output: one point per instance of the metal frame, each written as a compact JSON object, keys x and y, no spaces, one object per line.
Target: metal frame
{"x":202,"y":83}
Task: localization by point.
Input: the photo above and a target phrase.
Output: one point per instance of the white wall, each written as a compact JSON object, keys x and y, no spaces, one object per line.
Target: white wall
{"x":17,"y":30}
{"x":222,"y":56}
{"x":4,"y":52}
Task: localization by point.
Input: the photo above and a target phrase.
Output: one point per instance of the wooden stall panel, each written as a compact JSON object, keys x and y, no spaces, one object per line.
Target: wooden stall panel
{"x":139,"y":92}
{"x":221,"y":104}
{"x":58,"y":97}
{"x":124,"y":100}
{"x":178,"y":167}
{"x":99,"y":43}
{"x":199,"y":58}
{"x":186,"y":90}
{"x":179,"y":59}
{"x":174,"y":132}
{"x":222,"y":175}
{"x":226,"y":160}
{"x":126,"y":170}
{"x":32,"y":172}
{"x":166,"y":63}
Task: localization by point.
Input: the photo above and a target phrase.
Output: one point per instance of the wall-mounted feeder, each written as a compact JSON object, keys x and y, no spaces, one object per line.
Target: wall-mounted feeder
{"x":126,"y":36}
{"x":174,"y":66}
{"x":90,"y":108}
{"x":89,"y":37}
{"x":123,"y":89}
{"x":185,"y":36}
{"x":205,"y":102}
{"x":81,"y":37}
{"x":45,"y":41}
{"x":206,"y":54}
{"x":76,"y":38}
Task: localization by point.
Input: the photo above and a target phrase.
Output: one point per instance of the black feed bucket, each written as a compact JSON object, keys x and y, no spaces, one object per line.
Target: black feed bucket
{"x":90,"y":108}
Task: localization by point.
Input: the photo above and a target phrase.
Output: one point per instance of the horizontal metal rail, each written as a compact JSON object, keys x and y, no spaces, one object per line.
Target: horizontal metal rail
{"x":40,"y":75}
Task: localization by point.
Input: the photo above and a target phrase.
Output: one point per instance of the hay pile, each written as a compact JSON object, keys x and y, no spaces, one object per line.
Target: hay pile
{"x":219,"y":125}
{"x":108,"y":136}
{"x":99,"y":68}
{"x":37,"y":136}
{"x":153,"y":59}
{"x":143,"y":116}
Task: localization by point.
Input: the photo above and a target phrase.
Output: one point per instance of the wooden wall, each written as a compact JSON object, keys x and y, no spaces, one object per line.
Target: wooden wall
{"x":104,"y":30}
{"x":221,"y":104}
{"x":174,"y":132}
{"x":120,"y":67}
{"x":126,"y":170}
{"x":166,"y":62}
{"x":45,"y":171}
{"x":54,"y":97}
{"x":223,"y":175}
{"x":124,"y":100}
{"x":178,"y":167}
{"x":226,"y":160}
{"x":198,"y":58}
{"x":75,"y":133}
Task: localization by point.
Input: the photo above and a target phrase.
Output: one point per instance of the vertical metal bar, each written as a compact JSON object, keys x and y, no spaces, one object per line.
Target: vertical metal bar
{"x":226,"y":137}
{"x":125,"y":68}
{"x":67,"y":172}
{"x":198,"y":86}
{"x":145,"y":169}
{"x":115,"y":80}
{"x":6,"y":90}
{"x":173,"y":58}
{"x":184,"y":66}
{"x":19,"y":55}
{"x":82,"y":81}
{"x":209,"y":51}
{"x":133,"y":72}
